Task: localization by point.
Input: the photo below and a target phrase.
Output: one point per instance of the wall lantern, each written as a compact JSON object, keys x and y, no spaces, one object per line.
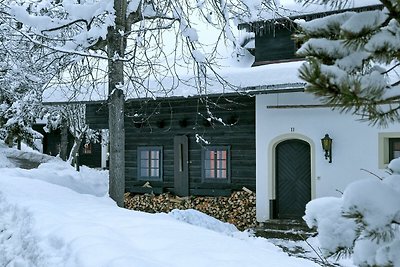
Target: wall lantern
{"x":327,"y":147}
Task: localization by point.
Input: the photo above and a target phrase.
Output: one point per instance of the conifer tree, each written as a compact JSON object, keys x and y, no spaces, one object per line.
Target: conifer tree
{"x":353,"y":60}
{"x":352,"y":64}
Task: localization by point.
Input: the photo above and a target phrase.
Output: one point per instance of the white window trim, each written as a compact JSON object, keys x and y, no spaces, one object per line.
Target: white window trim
{"x":383,"y":148}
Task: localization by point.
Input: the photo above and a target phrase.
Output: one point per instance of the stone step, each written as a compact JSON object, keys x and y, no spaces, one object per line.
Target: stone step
{"x":285,"y":225}
{"x":284,"y":229}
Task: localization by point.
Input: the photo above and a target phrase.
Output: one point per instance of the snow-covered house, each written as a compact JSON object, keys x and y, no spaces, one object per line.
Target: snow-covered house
{"x":272,"y":143}
{"x":293,"y":165}
{"x":90,"y":153}
{"x":192,"y":145}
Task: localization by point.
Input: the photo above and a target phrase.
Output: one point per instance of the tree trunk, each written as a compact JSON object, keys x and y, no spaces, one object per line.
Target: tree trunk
{"x":75,"y":149}
{"x":9,"y":140}
{"x":19,"y":143}
{"x":116,"y":50}
{"x":64,"y":140}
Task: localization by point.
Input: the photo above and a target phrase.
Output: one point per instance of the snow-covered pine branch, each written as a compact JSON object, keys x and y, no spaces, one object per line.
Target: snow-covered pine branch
{"x":353,"y":61}
{"x":25,"y":69}
{"x":363,"y":222}
{"x":352,"y":64}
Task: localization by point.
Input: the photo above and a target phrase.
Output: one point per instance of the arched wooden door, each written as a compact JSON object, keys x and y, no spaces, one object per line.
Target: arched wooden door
{"x":293,"y":178}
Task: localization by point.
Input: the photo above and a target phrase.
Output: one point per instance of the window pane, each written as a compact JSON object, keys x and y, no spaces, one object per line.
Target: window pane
{"x":150,"y":162}
{"x":144,"y":172}
{"x":215,"y":163}
{"x":209,"y":173}
{"x":396,"y":149}
{"x":219,"y":164}
{"x":155,"y":154}
{"x":155,"y":172}
{"x":207,"y":164}
{"x":221,"y":174}
{"x":224,"y":155}
{"x":155,"y":163}
{"x":144,"y":163}
{"x":144,"y":154}
{"x":221,"y":154}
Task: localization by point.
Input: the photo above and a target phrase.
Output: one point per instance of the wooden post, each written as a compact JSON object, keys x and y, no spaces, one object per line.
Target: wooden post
{"x":77,"y":162}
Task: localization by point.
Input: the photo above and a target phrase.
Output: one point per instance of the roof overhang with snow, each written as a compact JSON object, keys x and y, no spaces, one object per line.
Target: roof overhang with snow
{"x":265,"y":79}
{"x":286,"y":17}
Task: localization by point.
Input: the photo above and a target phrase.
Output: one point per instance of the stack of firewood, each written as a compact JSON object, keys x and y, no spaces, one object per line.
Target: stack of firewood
{"x":238,"y":209}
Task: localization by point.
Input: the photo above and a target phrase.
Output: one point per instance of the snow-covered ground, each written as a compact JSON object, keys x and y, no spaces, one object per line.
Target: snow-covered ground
{"x":55,"y":216}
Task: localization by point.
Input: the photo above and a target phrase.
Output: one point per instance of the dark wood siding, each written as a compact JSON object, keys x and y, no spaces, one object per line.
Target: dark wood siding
{"x":275,"y":44}
{"x":52,"y":141}
{"x":273,"y":38}
{"x":157,"y":122}
{"x":97,"y":115}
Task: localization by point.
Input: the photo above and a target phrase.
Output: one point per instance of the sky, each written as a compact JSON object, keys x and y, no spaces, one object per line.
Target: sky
{"x":55,"y":216}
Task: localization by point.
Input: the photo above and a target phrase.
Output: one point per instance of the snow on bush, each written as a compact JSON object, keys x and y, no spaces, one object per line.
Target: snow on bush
{"x":364,"y":221}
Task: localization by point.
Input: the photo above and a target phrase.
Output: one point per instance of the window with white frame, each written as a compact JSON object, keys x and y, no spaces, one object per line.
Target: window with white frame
{"x":389,"y":148}
{"x":216,"y":163}
{"x":149,"y":163}
{"x":394,"y":148}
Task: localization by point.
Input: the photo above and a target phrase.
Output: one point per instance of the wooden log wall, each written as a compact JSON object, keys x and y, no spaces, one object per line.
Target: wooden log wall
{"x":156,"y":122}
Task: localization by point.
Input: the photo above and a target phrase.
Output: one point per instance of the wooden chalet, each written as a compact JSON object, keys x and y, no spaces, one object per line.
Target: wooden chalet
{"x":187,"y":145}
{"x":90,"y":154}
{"x":215,"y":144}
{"x":273,"y":37}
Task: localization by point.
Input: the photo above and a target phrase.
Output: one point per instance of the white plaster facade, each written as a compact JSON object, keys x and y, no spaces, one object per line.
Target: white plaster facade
{"x":356,"y":145}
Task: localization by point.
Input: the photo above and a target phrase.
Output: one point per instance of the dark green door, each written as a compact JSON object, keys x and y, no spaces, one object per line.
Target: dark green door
{"x":293,"y":178}
{"x":181,"y":166}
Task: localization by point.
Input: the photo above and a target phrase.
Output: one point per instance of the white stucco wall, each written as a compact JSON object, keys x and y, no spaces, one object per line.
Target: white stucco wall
{"x":355,"y":145}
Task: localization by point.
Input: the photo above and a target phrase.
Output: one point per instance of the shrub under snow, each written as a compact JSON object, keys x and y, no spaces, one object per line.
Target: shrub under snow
{"x":364,"y":221}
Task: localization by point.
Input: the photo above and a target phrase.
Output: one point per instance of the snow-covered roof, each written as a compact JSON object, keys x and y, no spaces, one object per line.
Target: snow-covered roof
{"x":274,"y":77}
{"x":289,"y":8}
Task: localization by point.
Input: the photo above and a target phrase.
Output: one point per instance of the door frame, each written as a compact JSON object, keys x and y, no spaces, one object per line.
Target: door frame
{"x":272,"y":165}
